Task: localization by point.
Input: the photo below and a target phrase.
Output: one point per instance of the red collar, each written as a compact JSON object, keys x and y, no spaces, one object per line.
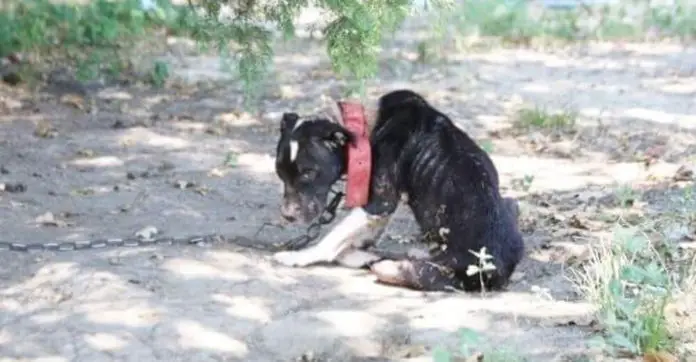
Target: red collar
{"x":359,"y":154}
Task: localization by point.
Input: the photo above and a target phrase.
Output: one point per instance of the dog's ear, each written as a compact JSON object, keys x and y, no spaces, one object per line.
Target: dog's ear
{"x":288,"y":121}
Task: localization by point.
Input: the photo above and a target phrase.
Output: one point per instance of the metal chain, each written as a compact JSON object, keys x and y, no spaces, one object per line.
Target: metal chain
{"x":326,"y":217}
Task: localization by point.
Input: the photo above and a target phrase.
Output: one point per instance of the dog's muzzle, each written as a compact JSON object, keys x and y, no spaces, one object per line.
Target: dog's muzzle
{"x":289,"y":211}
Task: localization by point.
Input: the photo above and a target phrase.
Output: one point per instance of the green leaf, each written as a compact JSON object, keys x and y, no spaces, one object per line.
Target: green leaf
{"x":624,"y":342}
{"x":632,"y":273}
{"x":472,"y":269}
{"x":441,"y":355}
{"x":469,"y":336}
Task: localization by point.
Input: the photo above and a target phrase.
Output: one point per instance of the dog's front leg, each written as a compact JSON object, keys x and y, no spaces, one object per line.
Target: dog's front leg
{"x":338,"y":240}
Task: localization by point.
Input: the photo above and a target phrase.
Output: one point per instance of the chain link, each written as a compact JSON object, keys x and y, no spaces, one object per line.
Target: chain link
{"x":296,"y":243}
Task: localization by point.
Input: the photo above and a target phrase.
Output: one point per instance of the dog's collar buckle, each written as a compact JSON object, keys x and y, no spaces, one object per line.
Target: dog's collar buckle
{"x":359,"y":155}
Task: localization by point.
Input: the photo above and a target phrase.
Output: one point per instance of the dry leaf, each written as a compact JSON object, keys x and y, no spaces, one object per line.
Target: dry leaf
{"x":86,"y":153}
{"x":12,"y":188}
{"x":576,"y":223}
{"x":147,"y":233}
{"x":660,"y":356}
{"x":411,"y":351}
{"x":216,"y":172}
{"x":10,"y":104}
{"x":44,"y":129}
{"x":684,"y":174}
{"x":48,"y":219}
{"x":73,"y":100}
{"x":181,"y":184}
{"x":478,"y":357}
{"x":202,"y":190}
{"x":82,"y":192}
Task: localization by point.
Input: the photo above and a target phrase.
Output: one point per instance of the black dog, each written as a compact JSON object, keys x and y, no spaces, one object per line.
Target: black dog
{"x":451,"y":185}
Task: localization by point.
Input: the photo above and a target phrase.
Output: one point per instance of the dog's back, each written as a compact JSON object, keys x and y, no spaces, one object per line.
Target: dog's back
{"x":452,"y":184}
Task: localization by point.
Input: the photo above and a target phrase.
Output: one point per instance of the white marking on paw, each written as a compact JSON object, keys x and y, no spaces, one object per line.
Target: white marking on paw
{"x":340,"y":237}
{"x":299,"y":258}
{"x":357,"y":258}
{"x":330,"y":247}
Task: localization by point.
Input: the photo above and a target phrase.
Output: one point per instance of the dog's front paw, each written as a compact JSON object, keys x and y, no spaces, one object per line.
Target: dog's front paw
{"x":293,"y":258}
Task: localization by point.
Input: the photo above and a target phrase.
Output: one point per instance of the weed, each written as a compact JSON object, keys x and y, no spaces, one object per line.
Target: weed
{"x":472,"y":344}
{"x":523,"y":183}
{"x":628,"y":280}
{"x":159,"y":73}
{"x":487,"y":145}
{"x":484,"y":266}
{"x":520,"y":22}
{"x":96,"y":38}
{"x":540,"y":118}
{"x":627,"y":196}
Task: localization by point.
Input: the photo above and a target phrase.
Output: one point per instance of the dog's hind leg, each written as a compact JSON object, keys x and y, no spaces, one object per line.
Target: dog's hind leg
{"x":416,"y":274}
{"x":439,"y":273}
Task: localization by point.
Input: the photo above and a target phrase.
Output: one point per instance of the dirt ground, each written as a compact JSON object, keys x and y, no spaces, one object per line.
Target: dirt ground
{"x":113,"y":167}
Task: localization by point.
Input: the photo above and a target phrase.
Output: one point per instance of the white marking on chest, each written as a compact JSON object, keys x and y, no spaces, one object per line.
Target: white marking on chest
{"x":294,"y":148}
{"x":294,"y":145}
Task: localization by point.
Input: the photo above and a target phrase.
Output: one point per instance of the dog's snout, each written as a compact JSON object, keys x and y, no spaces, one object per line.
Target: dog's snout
{"x":289,"y":211}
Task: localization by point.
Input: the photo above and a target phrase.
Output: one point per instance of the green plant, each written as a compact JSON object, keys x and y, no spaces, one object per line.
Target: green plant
{"x":626,"y":196}
{"x":540,"y":118}
{"x":159,"y":73}
{"x":628,"y":280}
{"x":471,"y":344}
{"x":96,"y":38}
{"x":484,"y":266}
{"x":487,"y":145}
{"x":524,"y":183}
{"x":521,"y":21}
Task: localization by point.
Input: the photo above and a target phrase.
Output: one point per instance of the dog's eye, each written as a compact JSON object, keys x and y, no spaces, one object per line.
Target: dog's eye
{"x":308,"y":175}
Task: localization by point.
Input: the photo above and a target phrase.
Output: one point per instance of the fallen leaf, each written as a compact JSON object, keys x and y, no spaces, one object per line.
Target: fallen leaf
{"x":10,"y":104}
{"x":86,"y":153}
{"x":216,"y":172}
{"x":181,"y":184}
{"x":411,"y":351}
{"x":231,"y":159}
{"x":476,"y":357}
{"x":13,"y":188}
{"x":202,"y":190}
{"x":48,"y":219}
{"x":165,"y":166}
{"x":147,"y":233}
{"x":82,"y":192}
{"x":44,"y":129}
{"x":73,"y":100}
{"x":684,"y":174}
{"x":659,"y":356}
